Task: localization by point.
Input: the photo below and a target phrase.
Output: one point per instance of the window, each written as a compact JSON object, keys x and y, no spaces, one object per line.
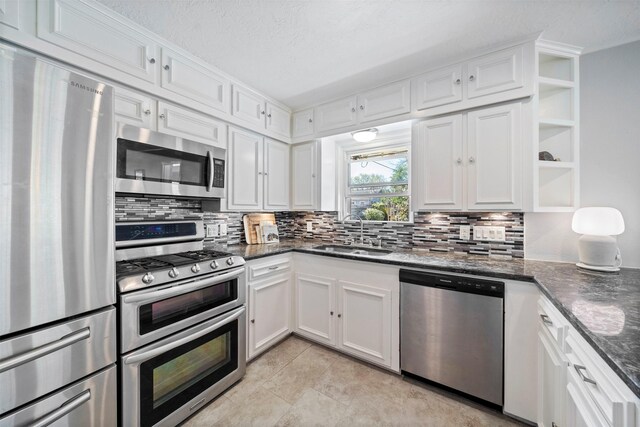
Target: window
{"x":378,"y":185}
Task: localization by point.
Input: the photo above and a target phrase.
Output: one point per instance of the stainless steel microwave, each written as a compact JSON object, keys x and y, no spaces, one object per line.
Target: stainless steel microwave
{"x":154,"y":163}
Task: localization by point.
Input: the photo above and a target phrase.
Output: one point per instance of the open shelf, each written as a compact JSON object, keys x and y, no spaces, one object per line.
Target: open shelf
{"x":556,"y":165}
{"x":544,"y":123}
{"x":546,"y":82}
{"x":556,"y":187}
{"x":556,"y":102}
{"x":556,"y":67}
{"x":557,"y":140}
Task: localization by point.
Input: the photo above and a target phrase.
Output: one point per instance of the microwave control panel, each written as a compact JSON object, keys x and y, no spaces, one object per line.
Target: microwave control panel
{"x":218,"y":173}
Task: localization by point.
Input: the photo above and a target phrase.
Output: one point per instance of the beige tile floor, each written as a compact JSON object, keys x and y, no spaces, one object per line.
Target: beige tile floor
{"x":298,"y":383}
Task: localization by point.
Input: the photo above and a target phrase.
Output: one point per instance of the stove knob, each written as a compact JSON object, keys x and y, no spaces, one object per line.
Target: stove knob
{"x":173,"y":273}
{"x":214,"y":264}
{"x":230,"y":261}
{"x":195,"y":268}
{"x":147,"y":278}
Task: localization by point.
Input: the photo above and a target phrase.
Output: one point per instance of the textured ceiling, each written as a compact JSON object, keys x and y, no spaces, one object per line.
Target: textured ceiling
{"x":305,"y":51}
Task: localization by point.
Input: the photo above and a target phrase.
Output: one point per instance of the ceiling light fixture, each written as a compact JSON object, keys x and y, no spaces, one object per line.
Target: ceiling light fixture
{"x":365,"y":135}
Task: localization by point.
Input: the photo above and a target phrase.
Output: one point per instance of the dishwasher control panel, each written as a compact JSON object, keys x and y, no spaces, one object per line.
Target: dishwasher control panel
{"x":455,"y":283}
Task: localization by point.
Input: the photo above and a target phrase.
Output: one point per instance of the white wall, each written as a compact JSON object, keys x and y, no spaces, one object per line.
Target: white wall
{"x":609,"y":156}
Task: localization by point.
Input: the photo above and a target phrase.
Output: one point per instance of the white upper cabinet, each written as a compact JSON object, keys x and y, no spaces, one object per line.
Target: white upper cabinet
{"x":383,"y":102}
{"x":437,"y":163}
{"x":278,"y":120}
{"x":496,"y":72}
{"x":248,"y":105}
{"x":439,"y":87}
{"x":187,"y":78}
{"x":494,"y":144}
{"x":135,"y":108}
{"x":245,"y":170}
{"x":302,"y":123}
{"x":74,"y":26}
{"x":336,"y":114}
{"x":187,"y":124}
{"x":304,"y":182}
{"x":10,"y":13}
{"x":276,"y":175}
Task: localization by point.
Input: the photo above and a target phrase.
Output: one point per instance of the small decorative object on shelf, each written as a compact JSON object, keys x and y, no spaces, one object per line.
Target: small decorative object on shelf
{"x":546,"y":156}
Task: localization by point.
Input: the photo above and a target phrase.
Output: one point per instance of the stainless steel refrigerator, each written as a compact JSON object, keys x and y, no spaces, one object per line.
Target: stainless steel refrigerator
{"x":57,"y":321}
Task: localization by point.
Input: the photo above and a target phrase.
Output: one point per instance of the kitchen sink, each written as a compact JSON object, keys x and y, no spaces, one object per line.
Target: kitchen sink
{"x":352,"y":250}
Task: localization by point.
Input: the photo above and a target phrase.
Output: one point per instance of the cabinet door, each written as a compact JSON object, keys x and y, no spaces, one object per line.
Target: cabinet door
{"x":245,"y":170}
{"x":302,"y":123}
{"x":10,"y":13}
{"x":438,"y":87}
{"x":276,"y":175}
{"x":437,"y":165}
{"x":135,"y":109}
{"x":336,"y":114}
{"x":248,"y":106}
{"x":194,"y":81}
{"x":78,"y":27}
{"x":495,"y":158}
{"x":496,"y":72}
{"x":552,"y":381}
{"x":315,"y":312}
{"x":278,"y":120}
{"x":269,"y":303}
{"x":364,"y":319}
{"x":187,"y":124}
{"x":386,"y":101}
{"x":304,"y":171}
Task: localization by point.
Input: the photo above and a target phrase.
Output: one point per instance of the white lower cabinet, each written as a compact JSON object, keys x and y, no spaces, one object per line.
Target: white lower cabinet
{"x":351,"y":306}
{"x":269,"y":303}
{"x":552,"y":375}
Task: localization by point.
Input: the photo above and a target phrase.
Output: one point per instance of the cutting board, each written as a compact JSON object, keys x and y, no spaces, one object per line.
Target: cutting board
{"x":251,"y":221}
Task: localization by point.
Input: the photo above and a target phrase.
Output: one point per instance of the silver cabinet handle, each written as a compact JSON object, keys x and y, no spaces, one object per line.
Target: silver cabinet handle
{"x":147,"y":112}
{"x":583,"y":377}
{"x":28,"y":356}
{"x":152,"y":60}
{"x":362,"y":107}
{"x":459,"y":161}
{"x":310,"y":120}
{"x":546,"y":320}
{"x":166,"y":67}
{"x":353,"y":109}
{"x":67,"y":407}
{"x":458,"y":81}
{"x":471,"y":78}
{"x":275,"y":267}
{"x":472,"y":160}
{"x":162,"y":116}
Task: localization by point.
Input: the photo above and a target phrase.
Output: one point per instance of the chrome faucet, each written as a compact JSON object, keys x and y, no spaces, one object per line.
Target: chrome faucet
{"x":361,"y":227}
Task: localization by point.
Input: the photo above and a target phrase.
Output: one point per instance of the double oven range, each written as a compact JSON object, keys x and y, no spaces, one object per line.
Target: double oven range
{"x":181,"y":321}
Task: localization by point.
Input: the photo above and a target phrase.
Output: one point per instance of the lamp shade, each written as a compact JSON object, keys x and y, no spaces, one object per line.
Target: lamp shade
{"x":598,"y":221}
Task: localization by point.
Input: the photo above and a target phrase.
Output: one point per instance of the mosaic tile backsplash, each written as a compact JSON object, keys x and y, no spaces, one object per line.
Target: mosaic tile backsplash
{"x":430,"y":231}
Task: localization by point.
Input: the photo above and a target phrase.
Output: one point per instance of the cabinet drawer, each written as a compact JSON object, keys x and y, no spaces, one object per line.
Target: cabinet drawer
{"x":54,"y":357}
{"x":602,"y":388}
{"x":91,"y":402}
{"x":270,"y":267}
{"x":551,"y":320}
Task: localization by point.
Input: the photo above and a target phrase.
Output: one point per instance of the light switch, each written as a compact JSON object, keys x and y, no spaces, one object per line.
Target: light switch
{"x":223,"y":229}
{"x":309,"y":226}
{"x":491,"y":234}
{"x":465,"y":232}
{"x":212,"y":230}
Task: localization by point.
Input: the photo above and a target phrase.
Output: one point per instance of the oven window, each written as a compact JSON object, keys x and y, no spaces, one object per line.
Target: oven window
{"x":161,"y":313}
{"x":146,"y":162}
{"x":173,"y":378}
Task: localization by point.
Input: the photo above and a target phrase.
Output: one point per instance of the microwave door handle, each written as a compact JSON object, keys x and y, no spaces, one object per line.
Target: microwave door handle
{"x":210,"y":171}
{"x":137,"y":358}
{"x":180,"y":289}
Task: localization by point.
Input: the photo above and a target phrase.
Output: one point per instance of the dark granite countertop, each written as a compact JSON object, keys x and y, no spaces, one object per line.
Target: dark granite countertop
{"x":604,"y":308}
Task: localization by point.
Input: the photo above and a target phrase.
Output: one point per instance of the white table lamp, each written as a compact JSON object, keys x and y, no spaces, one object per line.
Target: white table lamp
{"x":597,"y":248}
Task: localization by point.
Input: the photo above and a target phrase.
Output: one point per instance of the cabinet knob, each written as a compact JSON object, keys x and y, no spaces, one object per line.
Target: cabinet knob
{"x":458,"y":81}
{"x":339,"y":315}
{"x":265,"y":174}
{"x":459,"y":161}
{"x":313,"y":175}
{"x":472,"y":160}
{"x":253,"y":320}
{"x":162,"y":116}
{"x":331,"y":313}
{"x":152,"y":60}
{"x":269,"y":115}
{"x":310,"y":120}
{"x":262,"y":112}
{"x":362,"y":107}
{"x":353,"y":109}
{"x":472,"y":78}
{"x":259,"y":173}
{"x":147,"y":112}
{"x":166,"y":67}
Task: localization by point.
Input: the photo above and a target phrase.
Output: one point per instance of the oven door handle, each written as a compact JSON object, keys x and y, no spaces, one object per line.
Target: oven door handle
{"x":210,"y":171}
{"x":141,"y":357}
{"x":153,"y":295}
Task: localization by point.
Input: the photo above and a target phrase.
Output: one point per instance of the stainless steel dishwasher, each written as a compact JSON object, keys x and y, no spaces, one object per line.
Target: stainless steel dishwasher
{"x":451,"y":332}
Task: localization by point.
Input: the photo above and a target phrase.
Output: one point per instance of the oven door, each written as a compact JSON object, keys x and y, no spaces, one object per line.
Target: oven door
{"x":165,"y":382}
{"x":151,"y":314}
{"x":154,"y":163}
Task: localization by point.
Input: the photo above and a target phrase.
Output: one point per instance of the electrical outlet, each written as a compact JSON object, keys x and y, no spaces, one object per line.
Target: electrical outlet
{"x":309,"y":226}
{"x":491,"y":234}
{"x":465,"y":232}
{"x":223,"y":229}
{"x":212,"y":230}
